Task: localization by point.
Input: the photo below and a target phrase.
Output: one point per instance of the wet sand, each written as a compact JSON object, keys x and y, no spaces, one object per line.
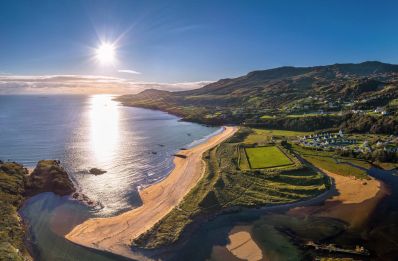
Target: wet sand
{"x":354,"y":203}
{"x":115,"y":234}
{"x":242,"y":244}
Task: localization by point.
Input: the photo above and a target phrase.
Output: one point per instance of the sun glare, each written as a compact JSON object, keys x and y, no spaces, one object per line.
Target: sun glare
{"x":105,"y":53}
{"x":104,"y":127}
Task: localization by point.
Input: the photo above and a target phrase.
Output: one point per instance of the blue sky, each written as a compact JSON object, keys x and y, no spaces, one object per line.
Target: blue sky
{"x":186,"y":41}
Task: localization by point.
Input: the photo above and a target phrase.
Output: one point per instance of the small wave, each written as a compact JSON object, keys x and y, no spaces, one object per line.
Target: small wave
{"x":201,"y":140}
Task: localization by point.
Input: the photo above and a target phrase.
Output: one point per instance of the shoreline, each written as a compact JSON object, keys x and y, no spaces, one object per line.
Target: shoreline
{"x":256,"y":211}
{"x":353,"y":196}
{"x":114,"y":234}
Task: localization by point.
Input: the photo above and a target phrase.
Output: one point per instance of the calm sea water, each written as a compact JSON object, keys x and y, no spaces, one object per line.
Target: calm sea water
{"x":133,"y":145}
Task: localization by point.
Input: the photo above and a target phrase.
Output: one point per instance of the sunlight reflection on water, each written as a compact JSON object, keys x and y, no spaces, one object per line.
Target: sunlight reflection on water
{"x":104,"y":127}
{"x":135,"y":146}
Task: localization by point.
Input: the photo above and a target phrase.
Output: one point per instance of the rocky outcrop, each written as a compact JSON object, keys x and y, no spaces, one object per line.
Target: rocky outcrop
{"x":49,"y":176}
{"x":93,"y":171}
{"x":97,"y":171}
{"x":15,"y":186}
{"x":84,"y":199}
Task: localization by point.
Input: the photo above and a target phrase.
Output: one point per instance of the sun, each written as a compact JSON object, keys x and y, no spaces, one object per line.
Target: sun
{"x":106,"y":53}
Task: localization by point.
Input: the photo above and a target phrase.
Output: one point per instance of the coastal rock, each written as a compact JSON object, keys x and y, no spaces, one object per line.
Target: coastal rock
{"x":180,"y":156}
{"x":96,"y":171}
{"x":93,"y":171}
{"x":49,"y":176}
{"x":87,"y":201}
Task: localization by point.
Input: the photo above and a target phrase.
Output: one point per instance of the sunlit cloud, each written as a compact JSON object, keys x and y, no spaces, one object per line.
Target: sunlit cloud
{"x":128,"y":71}
{"x":83,"y":84}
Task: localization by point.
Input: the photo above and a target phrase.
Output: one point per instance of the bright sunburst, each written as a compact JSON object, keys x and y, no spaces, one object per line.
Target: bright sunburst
{"x":106,"y":53}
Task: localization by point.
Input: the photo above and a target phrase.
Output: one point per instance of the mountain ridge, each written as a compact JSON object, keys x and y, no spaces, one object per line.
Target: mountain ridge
{"x":281,"y":92}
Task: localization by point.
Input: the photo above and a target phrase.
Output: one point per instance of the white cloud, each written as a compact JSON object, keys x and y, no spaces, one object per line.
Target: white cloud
{"x":128,"y":71}
{"x":84,"y":84}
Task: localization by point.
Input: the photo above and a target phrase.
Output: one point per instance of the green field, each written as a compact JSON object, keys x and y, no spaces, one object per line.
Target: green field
{"x":266,"y":157}
{"x":264,"y":136}
{"x":310,"y":115}
{"x":303,"y":115}
{"x":334,"y":163}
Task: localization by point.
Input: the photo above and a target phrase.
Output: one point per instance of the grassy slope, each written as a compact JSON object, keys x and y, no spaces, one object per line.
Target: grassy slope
{"x":224,"y":186}
{"x":254,"y":99}
{"x":262,"y":135}
{"x":12,"y":178}
{"x":331,"y":162}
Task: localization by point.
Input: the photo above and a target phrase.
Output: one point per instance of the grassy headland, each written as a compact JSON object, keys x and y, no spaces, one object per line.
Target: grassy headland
{"x":15,"y":186}
{"x":230,"y":182}
{"x":226,"y":186}
{"x":12,"y":232}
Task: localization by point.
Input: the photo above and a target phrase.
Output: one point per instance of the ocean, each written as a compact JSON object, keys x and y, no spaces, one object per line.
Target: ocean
{"x":135,"y":147}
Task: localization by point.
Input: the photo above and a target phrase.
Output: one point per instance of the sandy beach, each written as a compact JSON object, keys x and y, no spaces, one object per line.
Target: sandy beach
{"x":115,"y":234}
{"x":355,"y":201}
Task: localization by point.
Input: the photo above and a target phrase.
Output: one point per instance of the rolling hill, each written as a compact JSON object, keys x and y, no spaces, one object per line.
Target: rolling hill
{"x":279,"y":95}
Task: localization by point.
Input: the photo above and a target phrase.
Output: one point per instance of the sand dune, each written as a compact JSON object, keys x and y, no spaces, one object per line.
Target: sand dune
{"x":115,"y":234}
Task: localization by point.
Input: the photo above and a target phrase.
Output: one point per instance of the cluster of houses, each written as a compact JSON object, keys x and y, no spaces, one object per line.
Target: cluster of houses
{"x":332,"y":141}
{"x":365,"y":147}
{"x":387,"y":146}
{"x":379,"y":110}
{"x":326,"y":140}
